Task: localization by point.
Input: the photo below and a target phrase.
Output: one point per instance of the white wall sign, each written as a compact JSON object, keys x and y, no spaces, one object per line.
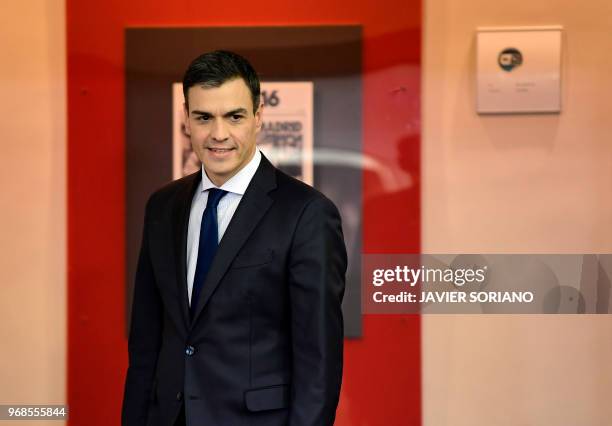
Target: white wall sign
{"x":518,"y":69}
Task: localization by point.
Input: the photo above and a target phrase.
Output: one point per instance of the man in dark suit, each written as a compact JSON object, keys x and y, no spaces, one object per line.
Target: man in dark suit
{"x":236,"y":316}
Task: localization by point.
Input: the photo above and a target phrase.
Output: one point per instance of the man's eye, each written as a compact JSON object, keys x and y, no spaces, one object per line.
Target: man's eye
{"x":203,"y":118}
{"x":236,"y":117}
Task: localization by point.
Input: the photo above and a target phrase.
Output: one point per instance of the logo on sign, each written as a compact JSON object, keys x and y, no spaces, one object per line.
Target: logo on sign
{"x":509,"y":59}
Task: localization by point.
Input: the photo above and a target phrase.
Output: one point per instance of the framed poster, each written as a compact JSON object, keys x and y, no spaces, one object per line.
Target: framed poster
{"x":518,"y":70}
{"x":286,"y":133}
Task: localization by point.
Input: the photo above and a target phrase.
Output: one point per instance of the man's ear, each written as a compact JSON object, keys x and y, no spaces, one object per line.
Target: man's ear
{"x":186,"y":119}
{"x":259,"y":117}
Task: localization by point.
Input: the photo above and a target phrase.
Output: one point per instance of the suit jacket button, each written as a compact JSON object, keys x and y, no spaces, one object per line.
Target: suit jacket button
{"x":179,"y":396}
{"x":189,"y":350}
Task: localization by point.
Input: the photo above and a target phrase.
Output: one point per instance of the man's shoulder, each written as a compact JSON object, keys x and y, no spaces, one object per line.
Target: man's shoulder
{"x":295,"y":188}
{"x":170,"y":190}
{"x":299,"y":194}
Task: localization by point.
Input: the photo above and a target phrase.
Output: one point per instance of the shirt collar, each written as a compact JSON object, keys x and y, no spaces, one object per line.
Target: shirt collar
{"x":240,"y":181}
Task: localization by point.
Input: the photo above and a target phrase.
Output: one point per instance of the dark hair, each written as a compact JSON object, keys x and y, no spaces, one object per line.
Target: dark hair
{"x":212,"y":69}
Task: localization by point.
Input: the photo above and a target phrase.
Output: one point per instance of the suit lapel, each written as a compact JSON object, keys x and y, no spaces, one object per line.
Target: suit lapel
{"x":253,"y":206}
{"x":180,"y":220}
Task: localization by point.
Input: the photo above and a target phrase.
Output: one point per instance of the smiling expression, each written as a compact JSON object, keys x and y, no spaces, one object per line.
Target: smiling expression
{"x":222,"y":127}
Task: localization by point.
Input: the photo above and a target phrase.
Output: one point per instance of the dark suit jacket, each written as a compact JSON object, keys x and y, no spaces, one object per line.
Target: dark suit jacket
{"x":265,"y":345}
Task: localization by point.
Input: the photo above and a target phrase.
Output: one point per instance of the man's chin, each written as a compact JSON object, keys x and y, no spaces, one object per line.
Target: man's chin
{"x":218,"y":175}
{"x":218,"y":163}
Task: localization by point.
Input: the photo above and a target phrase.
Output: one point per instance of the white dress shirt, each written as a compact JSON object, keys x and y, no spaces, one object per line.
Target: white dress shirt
{"x":235,"y":187}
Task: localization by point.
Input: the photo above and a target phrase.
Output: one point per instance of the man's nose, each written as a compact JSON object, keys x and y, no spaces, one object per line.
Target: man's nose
{"x":219,"y":131}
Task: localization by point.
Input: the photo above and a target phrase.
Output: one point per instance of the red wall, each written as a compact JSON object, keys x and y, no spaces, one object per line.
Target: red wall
{"x":382,"y":370}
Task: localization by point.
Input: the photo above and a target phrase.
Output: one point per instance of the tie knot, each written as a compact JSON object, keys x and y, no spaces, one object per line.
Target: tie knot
{"x":214,"y":196}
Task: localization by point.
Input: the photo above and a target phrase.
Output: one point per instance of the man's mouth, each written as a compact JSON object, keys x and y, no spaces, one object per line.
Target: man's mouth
{"x":219,"y":153}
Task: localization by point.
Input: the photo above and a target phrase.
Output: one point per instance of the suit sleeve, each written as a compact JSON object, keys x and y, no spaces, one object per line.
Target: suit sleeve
{"x":317,"y":267}
{"x":144,"y":339}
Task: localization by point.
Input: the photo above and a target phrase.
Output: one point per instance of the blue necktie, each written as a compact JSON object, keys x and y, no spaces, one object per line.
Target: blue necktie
{"x":209,"y":241}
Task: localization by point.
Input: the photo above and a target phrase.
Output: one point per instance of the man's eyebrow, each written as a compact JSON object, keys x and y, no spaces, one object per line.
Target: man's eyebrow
{"x":227,"y":114}
{"x":235,"y":111}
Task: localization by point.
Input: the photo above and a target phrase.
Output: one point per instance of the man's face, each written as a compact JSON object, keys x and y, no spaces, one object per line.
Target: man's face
{"x":223,"y":127}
